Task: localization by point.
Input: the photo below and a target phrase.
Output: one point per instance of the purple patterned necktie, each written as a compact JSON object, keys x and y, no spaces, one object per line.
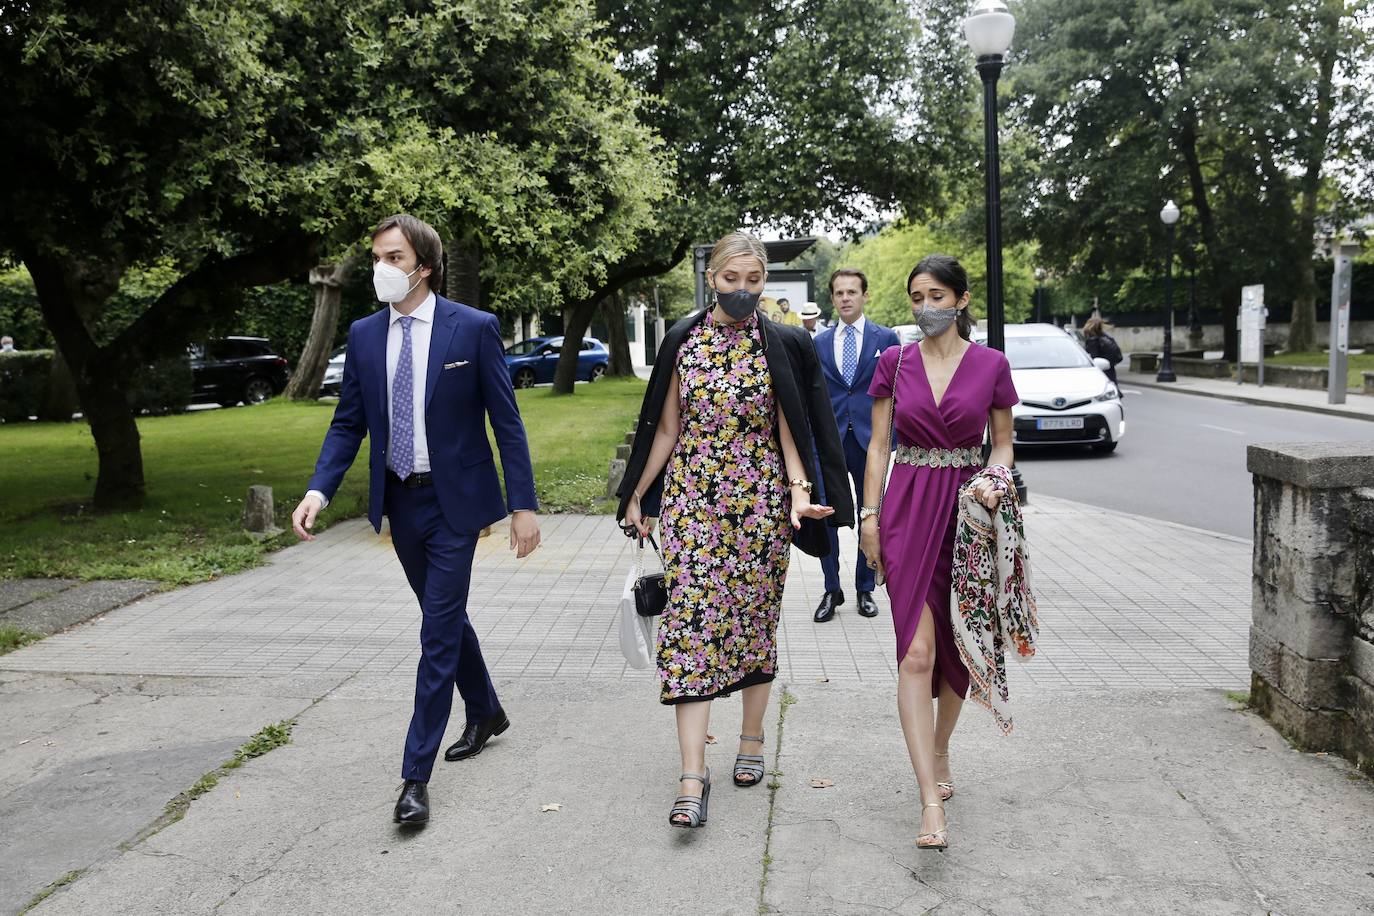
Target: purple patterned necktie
{"x":851,"y":355}
{"x":403,"y":407}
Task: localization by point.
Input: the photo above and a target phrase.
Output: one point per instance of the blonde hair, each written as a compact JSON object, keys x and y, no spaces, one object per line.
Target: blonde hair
{"x":734,"y":245}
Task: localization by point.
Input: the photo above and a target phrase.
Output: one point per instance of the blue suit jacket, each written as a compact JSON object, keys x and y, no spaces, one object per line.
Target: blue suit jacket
{"x":851,"y":403}
{"x":458,"y":399}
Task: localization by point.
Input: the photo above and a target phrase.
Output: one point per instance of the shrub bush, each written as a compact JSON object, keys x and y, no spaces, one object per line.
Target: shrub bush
{"x":23,"y":383}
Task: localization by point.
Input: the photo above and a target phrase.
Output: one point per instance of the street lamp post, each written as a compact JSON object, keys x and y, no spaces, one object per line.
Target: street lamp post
{"x":1169,"y":216}
{"x":989,"y":29}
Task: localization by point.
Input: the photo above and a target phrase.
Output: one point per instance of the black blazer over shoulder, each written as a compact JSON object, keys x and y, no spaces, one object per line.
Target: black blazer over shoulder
{"x":801,"y":394}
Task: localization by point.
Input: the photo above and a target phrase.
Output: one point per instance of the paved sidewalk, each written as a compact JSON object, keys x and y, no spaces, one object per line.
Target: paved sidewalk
{"x":1356,"y":406}
{"x":1131,"y":785}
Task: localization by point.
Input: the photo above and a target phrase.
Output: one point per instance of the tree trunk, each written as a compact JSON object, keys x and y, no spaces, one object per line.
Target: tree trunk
{"x":119,"y":483}
{"x":619,"y":342}
{"x":1302,"y":330}
{"x":577,"y":317}
{"x":1223,"y":282}
{"x":463,"y":272}
{"x":328,"y":280}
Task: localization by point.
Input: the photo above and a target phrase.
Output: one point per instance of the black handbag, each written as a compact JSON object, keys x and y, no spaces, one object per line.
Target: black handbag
{"x":651,"y":594}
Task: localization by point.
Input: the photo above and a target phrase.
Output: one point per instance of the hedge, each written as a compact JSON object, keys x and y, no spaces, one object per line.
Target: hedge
{"x":23,"y":383}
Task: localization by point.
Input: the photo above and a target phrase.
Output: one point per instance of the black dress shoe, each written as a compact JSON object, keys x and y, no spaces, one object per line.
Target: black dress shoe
{"x":476,"y":735}
{"x":867,"y":606}
{"x":826,"y":609}
{"x":413,"y":805}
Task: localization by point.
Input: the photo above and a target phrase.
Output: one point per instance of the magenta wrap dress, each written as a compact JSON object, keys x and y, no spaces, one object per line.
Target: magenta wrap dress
{"x":916,"y":528}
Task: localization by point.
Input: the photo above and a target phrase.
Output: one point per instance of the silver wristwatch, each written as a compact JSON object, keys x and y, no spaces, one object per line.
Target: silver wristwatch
{"x":867,"y":512}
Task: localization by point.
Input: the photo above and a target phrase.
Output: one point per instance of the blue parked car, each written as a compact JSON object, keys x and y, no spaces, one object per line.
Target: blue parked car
{"x":532,"y":362}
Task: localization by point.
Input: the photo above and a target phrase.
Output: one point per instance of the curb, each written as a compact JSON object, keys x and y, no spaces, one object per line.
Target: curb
{"x":1332,"y":411}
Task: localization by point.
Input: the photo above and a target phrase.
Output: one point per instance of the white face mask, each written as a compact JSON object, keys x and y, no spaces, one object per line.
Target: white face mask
{"x":390,"y":282}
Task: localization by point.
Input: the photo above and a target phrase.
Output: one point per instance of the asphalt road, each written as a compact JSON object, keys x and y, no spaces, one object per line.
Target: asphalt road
{"x":1182,"y":459}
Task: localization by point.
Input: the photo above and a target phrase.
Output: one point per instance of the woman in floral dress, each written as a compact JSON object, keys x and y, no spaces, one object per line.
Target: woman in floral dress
{"x":735,"y":485}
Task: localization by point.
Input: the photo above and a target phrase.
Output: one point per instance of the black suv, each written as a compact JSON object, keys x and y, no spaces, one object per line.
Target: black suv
{"x":234,"y":369}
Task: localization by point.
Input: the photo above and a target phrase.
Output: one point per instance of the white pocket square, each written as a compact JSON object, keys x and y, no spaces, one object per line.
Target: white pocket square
{"x":461,"y":362}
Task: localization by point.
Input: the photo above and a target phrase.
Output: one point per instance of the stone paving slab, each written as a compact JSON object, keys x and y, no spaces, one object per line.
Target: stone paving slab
{"x":1124,"y":601}
{"x":14,"y":592}
{"x":55,"y":604}
{"x":307,"y":828}
{"x":86,"y":763}
{"x":1101,"y":802}
{"x":1106,"y":801}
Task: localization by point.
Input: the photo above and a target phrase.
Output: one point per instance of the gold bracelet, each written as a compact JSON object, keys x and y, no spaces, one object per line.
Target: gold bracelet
{"x":804,"y":484}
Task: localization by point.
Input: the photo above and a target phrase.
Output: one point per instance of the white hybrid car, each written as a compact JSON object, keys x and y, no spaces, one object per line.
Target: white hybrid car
{"x":1066,"y":397}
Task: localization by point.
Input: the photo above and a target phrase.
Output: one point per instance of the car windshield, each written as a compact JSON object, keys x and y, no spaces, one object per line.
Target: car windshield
{"x":523,"y":348}
{"x":1045,"y":353}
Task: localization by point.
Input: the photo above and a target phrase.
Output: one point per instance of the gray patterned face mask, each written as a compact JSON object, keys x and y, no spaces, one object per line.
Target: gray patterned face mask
{"x":934,"y":322}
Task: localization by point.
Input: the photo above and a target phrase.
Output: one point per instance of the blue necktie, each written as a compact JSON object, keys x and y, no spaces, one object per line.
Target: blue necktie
{"x":403,"y":407}
{"x":851,"y":355}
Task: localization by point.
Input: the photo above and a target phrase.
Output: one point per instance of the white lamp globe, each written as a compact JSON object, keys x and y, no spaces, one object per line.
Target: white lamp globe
{"x":1169,"y":215}
{"x":989,"y":28}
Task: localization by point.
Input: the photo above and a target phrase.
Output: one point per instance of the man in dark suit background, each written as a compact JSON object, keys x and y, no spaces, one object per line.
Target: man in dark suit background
{"x":420,"y":378}
{"x":848,"y":354}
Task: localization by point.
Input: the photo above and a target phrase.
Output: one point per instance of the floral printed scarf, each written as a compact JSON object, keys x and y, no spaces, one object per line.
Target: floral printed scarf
{"x":991,"y":592}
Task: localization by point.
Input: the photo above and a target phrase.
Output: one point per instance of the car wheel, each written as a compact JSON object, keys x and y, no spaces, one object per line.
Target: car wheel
{"x":1104,"y":448}
{"x":257,"y":390}
{"x":597,"y":372}
{"x":524,"y":378}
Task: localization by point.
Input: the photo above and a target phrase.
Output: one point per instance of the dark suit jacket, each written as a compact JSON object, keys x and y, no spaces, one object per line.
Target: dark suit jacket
{"x":801,"y":396}
{"x":458,"y":399}
{"x":851,"y":403}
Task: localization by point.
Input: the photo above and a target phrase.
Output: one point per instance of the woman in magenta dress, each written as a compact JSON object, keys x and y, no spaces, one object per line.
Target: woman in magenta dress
{"x":947,"y":391}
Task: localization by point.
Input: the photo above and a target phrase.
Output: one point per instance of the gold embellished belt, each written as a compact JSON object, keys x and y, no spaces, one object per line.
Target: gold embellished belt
{"x":939,"y":457}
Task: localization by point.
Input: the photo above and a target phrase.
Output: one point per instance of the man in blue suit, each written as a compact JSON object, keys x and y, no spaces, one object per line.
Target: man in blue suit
{"x":849,"y":353}
{"x":420,"y":379}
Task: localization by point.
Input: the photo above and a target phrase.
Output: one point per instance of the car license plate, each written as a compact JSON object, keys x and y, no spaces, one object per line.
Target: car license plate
{"x":1058,"y":422}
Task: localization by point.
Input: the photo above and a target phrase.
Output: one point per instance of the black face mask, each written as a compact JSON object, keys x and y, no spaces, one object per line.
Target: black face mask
{"x":739,"y":304}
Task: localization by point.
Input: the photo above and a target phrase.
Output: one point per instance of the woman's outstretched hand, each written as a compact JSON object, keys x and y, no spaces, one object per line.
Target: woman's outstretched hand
{"x":807,"y":509}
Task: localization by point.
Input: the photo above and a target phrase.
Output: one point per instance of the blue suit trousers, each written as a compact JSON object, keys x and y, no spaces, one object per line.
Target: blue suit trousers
{"x":855,"y":457}
{"x":438,"y":563}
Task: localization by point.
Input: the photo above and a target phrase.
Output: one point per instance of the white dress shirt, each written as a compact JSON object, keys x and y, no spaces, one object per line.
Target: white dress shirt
{"x":420,"y":332}
{"x":858,"y":327}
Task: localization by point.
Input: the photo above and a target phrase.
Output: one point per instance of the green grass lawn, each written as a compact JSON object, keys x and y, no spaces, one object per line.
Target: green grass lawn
{"x":199,"y":466}
{"x":1356,"y":364}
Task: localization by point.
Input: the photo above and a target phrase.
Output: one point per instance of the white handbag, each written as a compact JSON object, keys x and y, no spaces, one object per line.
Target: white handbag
{"x":637,"y":634}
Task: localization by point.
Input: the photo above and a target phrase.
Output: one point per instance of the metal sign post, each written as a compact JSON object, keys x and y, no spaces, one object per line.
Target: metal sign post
{"x":1250,"y":324}
{"x":1342,"y":251}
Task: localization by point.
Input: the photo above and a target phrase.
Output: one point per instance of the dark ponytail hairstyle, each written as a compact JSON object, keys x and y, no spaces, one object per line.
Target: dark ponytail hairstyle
{"x":947,"y":271}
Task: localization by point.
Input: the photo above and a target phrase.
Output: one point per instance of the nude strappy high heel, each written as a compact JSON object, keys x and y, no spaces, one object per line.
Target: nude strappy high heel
{"x":749,"y":765}
{"x":946,"y":788}
{"x":937,"y":840}
{"x":691,"y":806}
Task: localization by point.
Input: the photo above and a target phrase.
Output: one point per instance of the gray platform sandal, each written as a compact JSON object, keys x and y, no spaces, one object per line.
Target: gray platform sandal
{"x":749,"y":765}
{"x":692,"y":807}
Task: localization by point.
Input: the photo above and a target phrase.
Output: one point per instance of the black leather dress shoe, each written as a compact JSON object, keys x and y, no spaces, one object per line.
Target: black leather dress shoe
{"x":867,"y":606}
{"x":826,"y":609}
{"x":413,"y":805}
{"x":475,"y":737}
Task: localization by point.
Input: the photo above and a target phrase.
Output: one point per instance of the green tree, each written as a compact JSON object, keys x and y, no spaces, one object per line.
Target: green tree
{"x":789,"y":116}
{"x":888,"y":258}
{"x":234,"y":142}
{"x":1235,"y":108}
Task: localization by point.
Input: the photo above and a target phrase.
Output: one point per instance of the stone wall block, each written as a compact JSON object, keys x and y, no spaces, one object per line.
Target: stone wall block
{"x":1313,"y":730}
{"x":1319,"y":683}
{"x":1310,"y":628}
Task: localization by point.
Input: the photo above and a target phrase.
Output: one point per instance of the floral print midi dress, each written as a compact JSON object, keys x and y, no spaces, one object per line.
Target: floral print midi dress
{"x":725,"y":516}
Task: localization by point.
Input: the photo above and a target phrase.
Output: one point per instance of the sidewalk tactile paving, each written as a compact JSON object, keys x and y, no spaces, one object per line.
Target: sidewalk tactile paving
{"x":1124,"y":602}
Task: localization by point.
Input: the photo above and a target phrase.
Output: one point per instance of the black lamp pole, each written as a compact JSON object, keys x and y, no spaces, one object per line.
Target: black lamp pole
{"x":1166,"y":364}
{"x":989,"y":68}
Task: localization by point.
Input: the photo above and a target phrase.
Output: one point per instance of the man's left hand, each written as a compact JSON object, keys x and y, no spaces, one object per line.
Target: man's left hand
{"x":524,"y":533}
